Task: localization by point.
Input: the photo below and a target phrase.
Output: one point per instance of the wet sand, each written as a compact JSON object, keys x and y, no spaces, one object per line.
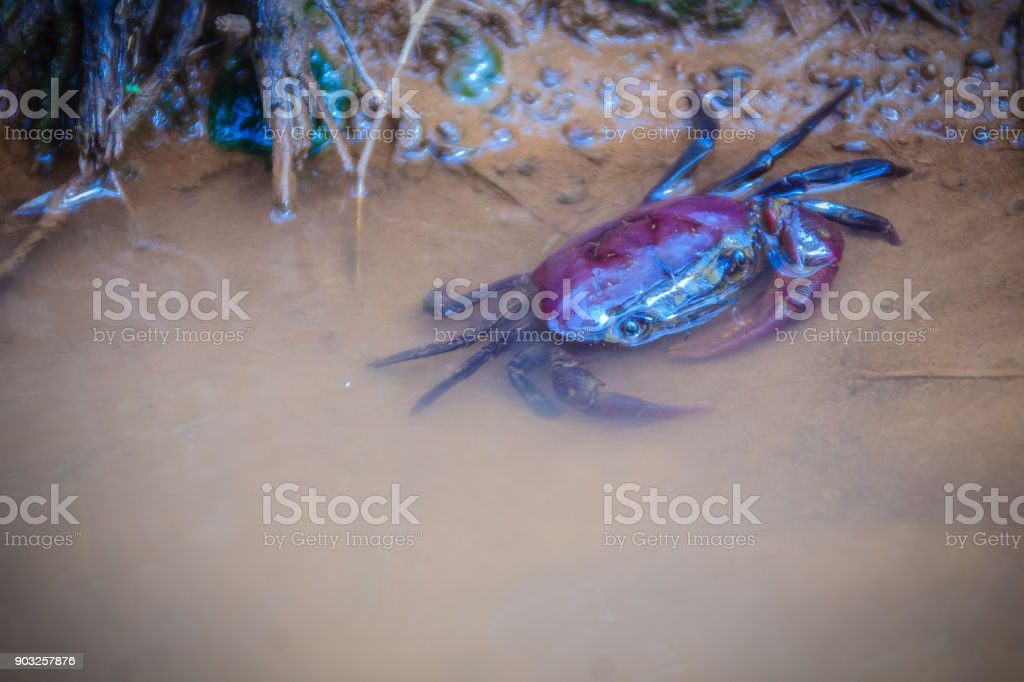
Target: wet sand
{"x":509,"y":574}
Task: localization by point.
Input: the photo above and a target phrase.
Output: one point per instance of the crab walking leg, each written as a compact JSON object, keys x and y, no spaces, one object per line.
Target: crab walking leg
{"x":577,"y":387}
{"x":764,"y":160}
{"x":431,"y":349}
{"x":467,"y":368}
{"x":854,"y":218}
{"x":467,"y":337}
{"x":700,"y":146}
{"x":787,"y":301}
{"x":523,"y":363}
{"x":440,"y":303}
{"x":832,"y":177}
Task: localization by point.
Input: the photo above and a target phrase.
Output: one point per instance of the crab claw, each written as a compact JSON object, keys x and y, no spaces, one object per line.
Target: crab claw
{"x":578,"y":388}
{"x":621,"y":406}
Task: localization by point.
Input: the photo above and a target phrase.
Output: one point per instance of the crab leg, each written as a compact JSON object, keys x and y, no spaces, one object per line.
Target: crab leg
{"x":764,"y":160}
{"x":449,"y":305}
{"x":699,"y":147}
{"x":427,"y":351}
{"x":577,"y":387}
{"x":522,"y":364}
{"x":832,"y":176}
{"x":465,"y":370}
{"x":468,"y":337}
{"x":854,"y":218}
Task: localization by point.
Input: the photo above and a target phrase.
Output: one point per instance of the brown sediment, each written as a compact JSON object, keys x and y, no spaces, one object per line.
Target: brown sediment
{"x":282,"y":36}
{"x":509,"y":557}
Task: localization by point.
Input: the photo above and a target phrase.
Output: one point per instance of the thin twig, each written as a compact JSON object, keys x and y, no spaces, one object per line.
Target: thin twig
{"x":357,"y":64}
{"x":831,"y":24}
{"x":792,"y":21}
{"x":52,"y":219}
{"x":336,"y":135}
{"x":938,"y":17}
{"x":848,"y":8}
{"x":416,"y":22}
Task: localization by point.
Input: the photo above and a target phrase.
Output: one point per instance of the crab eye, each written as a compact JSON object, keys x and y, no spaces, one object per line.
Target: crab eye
{"x":633,"y":327}
{"x":734,"y":262}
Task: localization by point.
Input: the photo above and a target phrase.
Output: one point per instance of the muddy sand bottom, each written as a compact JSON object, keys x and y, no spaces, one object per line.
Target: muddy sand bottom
{"x":848,"y":441}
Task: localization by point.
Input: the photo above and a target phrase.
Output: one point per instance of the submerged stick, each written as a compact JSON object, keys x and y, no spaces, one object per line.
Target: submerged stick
{"x":346,"y":40}
{"x":191,"y":24}
{"x":416,"y":23}
{"x":336,"y":135}
{"x":938,"y":17}
{"x":792,"y":20}
{"x":418,"y":19}
{"x":52,"y":219}
{"x":856,"y":19}
{"x":847,"y":8}
{"x":281,"y":53}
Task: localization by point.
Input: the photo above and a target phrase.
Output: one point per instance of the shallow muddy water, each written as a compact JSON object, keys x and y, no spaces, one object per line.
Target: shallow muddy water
{"x":511,"y":572}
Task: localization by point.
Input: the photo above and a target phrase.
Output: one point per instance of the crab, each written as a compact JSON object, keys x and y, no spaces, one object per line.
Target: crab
{"x":667,"y":268}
